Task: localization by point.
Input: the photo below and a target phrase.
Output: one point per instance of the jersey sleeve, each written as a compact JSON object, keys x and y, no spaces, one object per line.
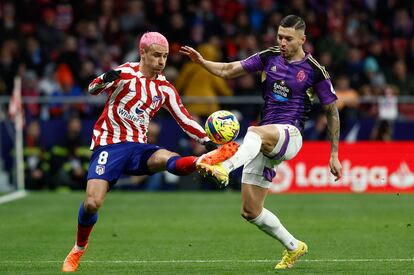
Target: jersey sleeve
{"x":258,"y":61}
{"x":174,"y":105}
{"x":252,"y":64}
{"x":322,"y":83}
{"x":97,"y":85}
{"x":325,"y":92}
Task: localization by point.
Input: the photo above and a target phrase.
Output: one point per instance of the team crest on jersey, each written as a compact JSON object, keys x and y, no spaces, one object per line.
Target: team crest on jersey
{"x":155,"y":101}
{"x":156,"y":98}
{"x":273,"y":68}
{"x":280,"y":91}
{"x":300,"y":76}
{"x":100,"y":169}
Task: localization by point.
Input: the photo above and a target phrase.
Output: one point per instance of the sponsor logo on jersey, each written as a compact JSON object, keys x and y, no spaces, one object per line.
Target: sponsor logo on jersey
{"x":300,"y":76}
{"x":134,"y":117}
{"x":138,"y":111}
{"x":280,"y":91}
{"x":100,"y":169}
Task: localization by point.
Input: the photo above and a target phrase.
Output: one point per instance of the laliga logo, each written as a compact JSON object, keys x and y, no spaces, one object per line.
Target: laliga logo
{"x":357,"y":178}
{"x":403,"y":177}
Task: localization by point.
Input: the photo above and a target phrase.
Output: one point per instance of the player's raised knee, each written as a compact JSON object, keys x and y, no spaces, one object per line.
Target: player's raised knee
{"x":254,"y":129}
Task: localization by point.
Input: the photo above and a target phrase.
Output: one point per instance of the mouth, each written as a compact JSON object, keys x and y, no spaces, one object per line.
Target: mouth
{"x":284,"y":53}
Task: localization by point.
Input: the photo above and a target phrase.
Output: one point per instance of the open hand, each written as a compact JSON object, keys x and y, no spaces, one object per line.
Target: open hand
{"x":192,"y":54}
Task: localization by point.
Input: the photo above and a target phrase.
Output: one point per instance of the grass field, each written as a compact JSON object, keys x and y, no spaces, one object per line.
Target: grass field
{"x":202,"y":233}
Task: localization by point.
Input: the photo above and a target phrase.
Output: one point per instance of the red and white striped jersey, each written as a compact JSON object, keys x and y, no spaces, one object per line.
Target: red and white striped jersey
{"x":133,"y":100}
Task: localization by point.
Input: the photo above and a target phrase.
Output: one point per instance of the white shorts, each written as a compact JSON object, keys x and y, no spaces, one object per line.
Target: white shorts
{"x":260,"y":170}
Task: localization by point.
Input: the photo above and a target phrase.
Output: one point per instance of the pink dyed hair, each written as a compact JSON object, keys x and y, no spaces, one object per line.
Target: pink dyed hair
{"x":149,"y":38}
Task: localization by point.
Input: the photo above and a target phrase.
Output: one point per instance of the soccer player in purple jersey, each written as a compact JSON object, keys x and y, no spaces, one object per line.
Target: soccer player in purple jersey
{"x":290,"y":78}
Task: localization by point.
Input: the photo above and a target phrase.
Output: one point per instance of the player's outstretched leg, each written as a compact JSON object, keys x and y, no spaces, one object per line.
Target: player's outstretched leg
{"x":290,"y":257}
{"x":249,"y":149}
{"x":221,"y":154}
{"x":210,"y":164}
{"x":217,"y":171}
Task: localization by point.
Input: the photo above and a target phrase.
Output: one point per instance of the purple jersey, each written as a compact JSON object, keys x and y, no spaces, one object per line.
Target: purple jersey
{"x":289,"y":87}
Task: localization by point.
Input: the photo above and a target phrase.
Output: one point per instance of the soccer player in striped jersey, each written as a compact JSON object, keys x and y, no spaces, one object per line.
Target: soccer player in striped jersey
{"x":290,"y":79}
{"x":136,"y":91}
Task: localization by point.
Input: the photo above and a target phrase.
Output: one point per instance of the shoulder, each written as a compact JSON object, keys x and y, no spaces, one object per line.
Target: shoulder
{"x":162,"y":78}
{"x":129,"y":67}
{"x":164,"y":84}
{"x":320,"y":72}
{"x":269,"y":53}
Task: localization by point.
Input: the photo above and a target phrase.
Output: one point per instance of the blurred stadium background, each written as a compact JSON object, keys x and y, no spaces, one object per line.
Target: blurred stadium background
{"x":57,"y":47}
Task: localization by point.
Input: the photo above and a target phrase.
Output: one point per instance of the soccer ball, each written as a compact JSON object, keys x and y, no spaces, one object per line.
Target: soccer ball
{"x":222,"y":127}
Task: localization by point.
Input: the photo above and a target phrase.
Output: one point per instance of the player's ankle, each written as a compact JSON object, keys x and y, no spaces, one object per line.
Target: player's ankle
{"x":81,"y":248}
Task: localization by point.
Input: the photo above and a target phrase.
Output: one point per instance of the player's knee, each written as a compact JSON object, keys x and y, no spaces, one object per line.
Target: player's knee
{"x":92,"y":205}
{"x":159,"y":160}
{"x":260,"y":132}
{"x":254,"y":129}
{"x":269,"y":139}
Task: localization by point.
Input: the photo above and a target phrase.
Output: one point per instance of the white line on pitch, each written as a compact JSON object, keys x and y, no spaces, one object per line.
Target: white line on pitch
{"x":13,"y":196}
{"x":211,"y":261}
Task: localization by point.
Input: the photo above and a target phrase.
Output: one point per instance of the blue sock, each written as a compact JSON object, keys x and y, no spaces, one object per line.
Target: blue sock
{"x":86,"y":219}
{"x":171,"y":165}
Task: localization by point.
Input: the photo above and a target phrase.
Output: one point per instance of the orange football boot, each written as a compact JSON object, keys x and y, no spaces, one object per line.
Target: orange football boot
{"x":221,"y":154}
{"x":71,"y":262}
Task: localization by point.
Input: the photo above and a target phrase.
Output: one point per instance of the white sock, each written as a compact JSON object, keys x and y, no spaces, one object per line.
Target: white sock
{"x":247,"y":151}
{"x":270,"y":224}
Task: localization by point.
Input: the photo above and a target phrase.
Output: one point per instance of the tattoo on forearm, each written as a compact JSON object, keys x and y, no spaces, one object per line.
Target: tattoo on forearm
{"x":333,"y":125}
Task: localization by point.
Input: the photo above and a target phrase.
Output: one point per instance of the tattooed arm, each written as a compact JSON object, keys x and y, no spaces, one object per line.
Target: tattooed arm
{"x":333,"y":130}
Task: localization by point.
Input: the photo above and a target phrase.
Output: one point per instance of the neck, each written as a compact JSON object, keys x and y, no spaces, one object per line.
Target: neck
{"x":298,"y":56}
{"x":147,"y":73}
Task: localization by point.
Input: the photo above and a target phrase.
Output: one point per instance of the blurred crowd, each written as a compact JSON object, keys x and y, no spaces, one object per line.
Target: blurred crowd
{"x":59,"y":46}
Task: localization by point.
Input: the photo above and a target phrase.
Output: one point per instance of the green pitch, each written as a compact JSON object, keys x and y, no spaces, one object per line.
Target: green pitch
{"x":202,"y":233}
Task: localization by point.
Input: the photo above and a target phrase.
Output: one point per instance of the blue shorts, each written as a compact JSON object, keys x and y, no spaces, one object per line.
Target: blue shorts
{"x":109,"y":162}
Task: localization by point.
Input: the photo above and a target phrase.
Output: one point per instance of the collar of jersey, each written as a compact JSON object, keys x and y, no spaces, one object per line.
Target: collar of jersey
{"x":159,"y":76}
{"x":299,"y":61}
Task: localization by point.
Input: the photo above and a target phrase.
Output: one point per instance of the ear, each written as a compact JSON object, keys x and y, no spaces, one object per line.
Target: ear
{"x":141,"y":51}
{"x":303,"y":39}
